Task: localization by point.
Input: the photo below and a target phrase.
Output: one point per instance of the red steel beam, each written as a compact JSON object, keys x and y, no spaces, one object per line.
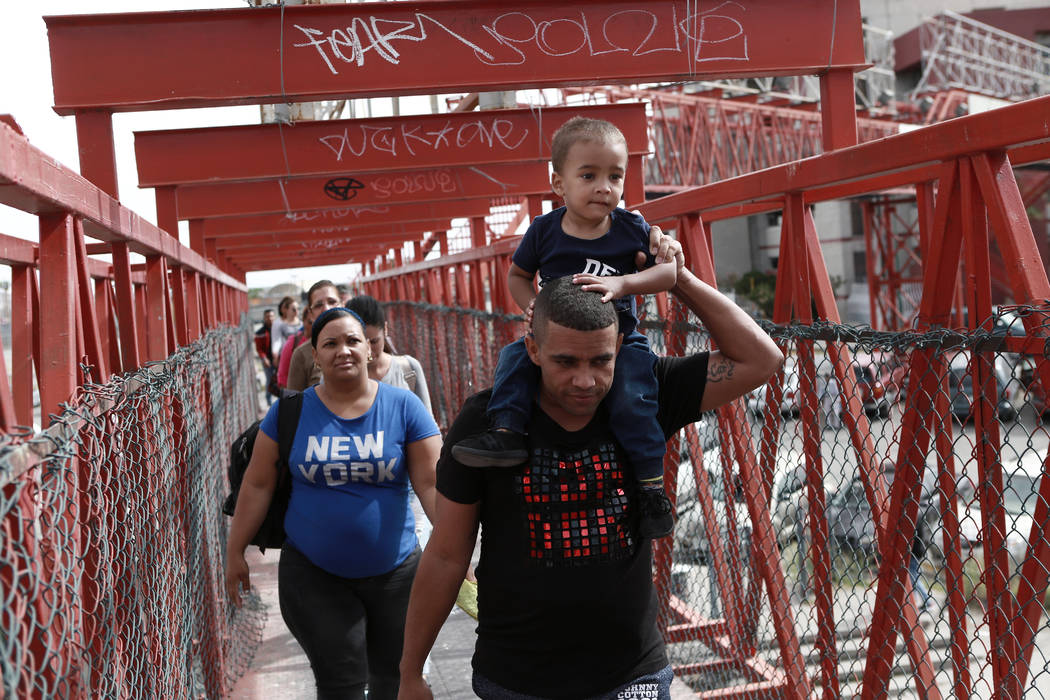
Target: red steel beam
{"x":294,"y":241}
{"x":390,"y":216}
{"x":32,"y":181}
{"x":165,"y":60}
{"x":335,"y":257}
{"x":440,"y":184}
{"x":264,"y":151}
{"x":1021,"y":127}
{"x":343,"y":251}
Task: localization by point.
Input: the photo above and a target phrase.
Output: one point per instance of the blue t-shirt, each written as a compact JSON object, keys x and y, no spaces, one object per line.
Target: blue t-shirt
{"x":547,"y":249}
{"x":348,"y":512}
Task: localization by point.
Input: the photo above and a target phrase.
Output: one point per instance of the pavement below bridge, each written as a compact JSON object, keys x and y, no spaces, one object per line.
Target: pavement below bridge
{"x":280,"y":670}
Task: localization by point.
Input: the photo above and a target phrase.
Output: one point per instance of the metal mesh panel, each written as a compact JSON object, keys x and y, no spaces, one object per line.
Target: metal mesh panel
{"x":920,"y":593}
{"x":113,"y":543}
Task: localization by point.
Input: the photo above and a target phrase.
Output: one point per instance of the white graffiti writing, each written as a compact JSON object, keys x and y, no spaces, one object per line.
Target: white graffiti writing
{"x":355,"y":212}
{"x":714,"y":34}
{"x":358,"y":140}
{"x":397,"y":184}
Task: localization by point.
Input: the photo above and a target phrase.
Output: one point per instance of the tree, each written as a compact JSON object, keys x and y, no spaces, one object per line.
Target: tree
{"x":760,"y":288}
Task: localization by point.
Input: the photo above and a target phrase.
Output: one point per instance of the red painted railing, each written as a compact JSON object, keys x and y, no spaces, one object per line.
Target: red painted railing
{"x":67,"y":306}
{"x":968,"y":195}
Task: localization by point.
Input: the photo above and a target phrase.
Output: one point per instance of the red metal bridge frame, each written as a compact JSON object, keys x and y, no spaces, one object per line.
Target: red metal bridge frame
{"x":399,"y":223}
{"x":184,"y":59}
{"x":117,"y":327}
{"x":977,"y":152}
{"x":970,"y":160}
{"x":379,"y":189}
{"x":360,"y":189}
{"x":340,"y":220}
{"x":896,"y":239}
{"x":336,"y":147}
{"x":455,"y":148}
{"x":700,"y":137}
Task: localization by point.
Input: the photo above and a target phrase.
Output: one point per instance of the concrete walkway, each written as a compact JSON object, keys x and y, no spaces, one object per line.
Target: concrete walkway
{"x":280,"y":670}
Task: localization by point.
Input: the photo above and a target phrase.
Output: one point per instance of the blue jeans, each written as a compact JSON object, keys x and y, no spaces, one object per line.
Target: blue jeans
{"x":631,"y":400}
{"x":268,"y":372}
{"x":654,"y":686}
{"x":922,"y":596}
{"x":352,"y":629}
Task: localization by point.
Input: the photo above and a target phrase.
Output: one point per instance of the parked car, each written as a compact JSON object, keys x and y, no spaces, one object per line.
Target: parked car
{"x":789,"y":506}
{"x":691,"y":542}
{"x":851,"y":526}
{"x":1021,"y":480}
{"x":850,"y":523}
{"x":960,"y":388}
{"x":789,"y":405}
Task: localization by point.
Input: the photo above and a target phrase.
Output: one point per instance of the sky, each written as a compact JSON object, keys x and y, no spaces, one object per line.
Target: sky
{"x":26,"y":93}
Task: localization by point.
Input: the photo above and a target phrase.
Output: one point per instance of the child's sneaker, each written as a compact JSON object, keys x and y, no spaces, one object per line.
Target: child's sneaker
{"x":493,"y":448}
{"x":654,"y":513}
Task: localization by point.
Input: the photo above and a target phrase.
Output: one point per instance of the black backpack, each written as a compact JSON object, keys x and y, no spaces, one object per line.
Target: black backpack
{"x":271,"y":531}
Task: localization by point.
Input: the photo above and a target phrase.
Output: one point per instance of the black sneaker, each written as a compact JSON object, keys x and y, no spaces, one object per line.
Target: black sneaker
{"x":493,"y":448}
{"x":654,"y":513}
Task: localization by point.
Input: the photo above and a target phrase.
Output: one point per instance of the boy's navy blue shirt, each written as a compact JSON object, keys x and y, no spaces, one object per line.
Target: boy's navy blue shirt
{"x":546,"y":248}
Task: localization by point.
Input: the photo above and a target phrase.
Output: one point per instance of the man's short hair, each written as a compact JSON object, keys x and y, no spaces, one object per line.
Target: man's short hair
{"x":580,"y":129}
{"x":562,"y":302}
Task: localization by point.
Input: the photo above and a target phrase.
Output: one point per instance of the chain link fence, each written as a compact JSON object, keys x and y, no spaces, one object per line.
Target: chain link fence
{"x":113,"y":544}
{"x":825,"y":437}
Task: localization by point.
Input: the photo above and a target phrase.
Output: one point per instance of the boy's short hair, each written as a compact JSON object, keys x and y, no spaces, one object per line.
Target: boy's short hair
{"x":580,"y":129}
{"x":562,"y":302}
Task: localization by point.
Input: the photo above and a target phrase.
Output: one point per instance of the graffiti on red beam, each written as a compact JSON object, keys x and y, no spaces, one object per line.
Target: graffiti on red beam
{"x":500,"y":133}
{"x":709,"y":35}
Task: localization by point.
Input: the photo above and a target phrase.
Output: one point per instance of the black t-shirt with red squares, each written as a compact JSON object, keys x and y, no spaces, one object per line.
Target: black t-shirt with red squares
{"x":567,"y":607}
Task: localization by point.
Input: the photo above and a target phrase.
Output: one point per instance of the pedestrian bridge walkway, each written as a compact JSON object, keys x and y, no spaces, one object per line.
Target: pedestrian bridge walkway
{"x":797,"y":566}
{"x":279,"y":668}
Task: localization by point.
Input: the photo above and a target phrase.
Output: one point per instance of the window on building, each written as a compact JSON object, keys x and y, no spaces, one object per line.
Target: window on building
{"x":860,"y":265}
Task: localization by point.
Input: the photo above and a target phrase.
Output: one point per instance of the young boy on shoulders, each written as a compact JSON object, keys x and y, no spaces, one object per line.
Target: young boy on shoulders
{"x":596,"y":241}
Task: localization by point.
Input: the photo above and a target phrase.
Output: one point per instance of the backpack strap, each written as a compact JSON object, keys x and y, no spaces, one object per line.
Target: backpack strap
{"x":408,"y":372}
{"x":288,"y":409}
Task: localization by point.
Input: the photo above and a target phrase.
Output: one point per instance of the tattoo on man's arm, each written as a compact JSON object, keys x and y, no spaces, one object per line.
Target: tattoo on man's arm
{"x":720,"y":371}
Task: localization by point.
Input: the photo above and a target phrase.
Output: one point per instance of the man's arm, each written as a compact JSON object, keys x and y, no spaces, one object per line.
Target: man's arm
{"x":437,"y":583}
{"x":746,"y":356}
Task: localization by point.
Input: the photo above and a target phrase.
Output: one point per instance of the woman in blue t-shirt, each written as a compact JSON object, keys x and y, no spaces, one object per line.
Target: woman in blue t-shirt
{"x":347,"y":566}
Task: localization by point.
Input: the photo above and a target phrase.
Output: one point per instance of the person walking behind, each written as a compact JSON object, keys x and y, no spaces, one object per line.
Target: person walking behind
{"x":286,"y":325}
{"x":300,"y":339}
{"x":396,"y":370}
{"x":351,"y":552}
{"x":301,"y":371}
{"x":264,"y":350}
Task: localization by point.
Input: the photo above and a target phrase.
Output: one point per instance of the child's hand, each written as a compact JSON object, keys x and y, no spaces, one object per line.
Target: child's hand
{"x":528,"y":317}
{"x":612,"y":287}
{"x":664,"y":248}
